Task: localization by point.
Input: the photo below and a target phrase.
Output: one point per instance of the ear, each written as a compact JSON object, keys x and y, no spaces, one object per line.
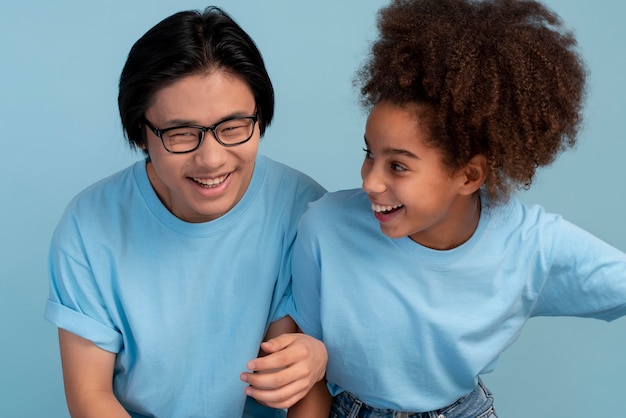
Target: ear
{"x":474,"y":174}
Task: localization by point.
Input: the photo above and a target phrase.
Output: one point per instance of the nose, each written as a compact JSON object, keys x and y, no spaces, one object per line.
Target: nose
{"x":210,"y":153}
{"x":373,"y":179}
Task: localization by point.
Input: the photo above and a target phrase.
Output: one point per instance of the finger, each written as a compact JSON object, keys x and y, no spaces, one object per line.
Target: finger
{"x":285,"y":357}
{"x":278,"y":343}
{"x":278,"y":389}
{"x":284,"y":397}
{"x":276,"y":378}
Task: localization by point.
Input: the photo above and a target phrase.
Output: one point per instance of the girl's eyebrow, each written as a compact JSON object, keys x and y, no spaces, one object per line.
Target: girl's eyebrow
{"x":394,"y":151}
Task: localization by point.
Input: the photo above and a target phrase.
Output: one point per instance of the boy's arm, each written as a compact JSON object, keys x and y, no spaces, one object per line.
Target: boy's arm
{"x":294,"y":363}
{"x":88,"y":378}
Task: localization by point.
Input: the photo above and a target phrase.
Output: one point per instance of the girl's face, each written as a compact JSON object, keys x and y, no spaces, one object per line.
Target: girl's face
{"x":413,"y":194}
{"x":206,"y":183}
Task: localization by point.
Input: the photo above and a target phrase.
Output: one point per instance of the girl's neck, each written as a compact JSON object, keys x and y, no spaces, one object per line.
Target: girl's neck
{"x":460,"y":230}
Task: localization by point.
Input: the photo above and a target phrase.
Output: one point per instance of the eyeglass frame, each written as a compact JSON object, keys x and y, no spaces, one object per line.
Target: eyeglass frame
{"x":204,"y":129}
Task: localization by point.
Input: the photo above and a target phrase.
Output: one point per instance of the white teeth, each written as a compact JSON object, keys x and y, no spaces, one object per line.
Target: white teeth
{"x":380,"y":208}
{"x":210,"y":182}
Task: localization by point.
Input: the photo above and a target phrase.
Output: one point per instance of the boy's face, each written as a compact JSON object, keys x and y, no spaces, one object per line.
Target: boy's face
{"x":413,"y":194}
{"x":204,"y":184}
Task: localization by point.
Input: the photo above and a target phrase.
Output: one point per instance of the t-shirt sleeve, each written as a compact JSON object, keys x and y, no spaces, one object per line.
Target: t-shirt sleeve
{"x":282,"y":308}
{"x":306,"y":192}
{"x":75,"y":302}
{"x":296,"y":191}
{"x":587,"y":276}
{"x":305,"y":307}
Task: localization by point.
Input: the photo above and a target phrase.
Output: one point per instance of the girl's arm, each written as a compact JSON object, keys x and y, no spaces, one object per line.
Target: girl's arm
{"x":316,"y":404}
{"x":88,"y":378}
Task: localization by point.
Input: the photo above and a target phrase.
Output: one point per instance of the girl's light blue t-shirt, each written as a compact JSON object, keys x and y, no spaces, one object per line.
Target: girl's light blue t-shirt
{"x":411,"y":328}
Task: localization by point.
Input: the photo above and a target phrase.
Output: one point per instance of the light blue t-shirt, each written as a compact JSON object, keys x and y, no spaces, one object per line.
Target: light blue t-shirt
{"x":411,"y":328}
{"x":184,"y":305}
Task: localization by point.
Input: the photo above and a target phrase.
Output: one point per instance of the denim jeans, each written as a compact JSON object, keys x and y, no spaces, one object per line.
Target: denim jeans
{"x":476,"y":404}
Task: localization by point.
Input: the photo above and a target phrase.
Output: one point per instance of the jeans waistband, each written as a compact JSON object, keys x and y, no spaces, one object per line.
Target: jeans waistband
{"x":478,"y":403}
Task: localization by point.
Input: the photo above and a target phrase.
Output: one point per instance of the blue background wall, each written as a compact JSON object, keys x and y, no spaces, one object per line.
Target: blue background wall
{"x":59,"y":132}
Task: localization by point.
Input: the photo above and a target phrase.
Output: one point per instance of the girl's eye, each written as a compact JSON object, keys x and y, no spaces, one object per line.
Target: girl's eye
{"x":397,"y":167}
{"x":368,"y":153}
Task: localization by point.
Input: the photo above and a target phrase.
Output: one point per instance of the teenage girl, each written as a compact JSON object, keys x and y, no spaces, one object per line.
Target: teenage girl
{"x":420,"y":280}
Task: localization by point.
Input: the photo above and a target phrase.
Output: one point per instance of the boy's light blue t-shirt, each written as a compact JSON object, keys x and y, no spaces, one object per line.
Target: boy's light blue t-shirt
{"x":410,"y":328}
{"x":184,"y":306}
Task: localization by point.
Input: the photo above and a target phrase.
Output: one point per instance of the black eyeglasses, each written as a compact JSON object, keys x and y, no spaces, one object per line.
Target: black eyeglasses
{"x":228,"y":132}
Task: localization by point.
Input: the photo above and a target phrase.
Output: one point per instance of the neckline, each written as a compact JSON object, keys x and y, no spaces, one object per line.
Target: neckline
{"x":168,"y":219}
{"x":426,"y":254}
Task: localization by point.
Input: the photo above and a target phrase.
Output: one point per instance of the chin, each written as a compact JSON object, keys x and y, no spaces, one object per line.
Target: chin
{"x":392,"y":234}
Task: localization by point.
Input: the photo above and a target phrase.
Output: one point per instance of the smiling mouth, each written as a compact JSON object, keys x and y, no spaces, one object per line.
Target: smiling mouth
{"x":385,"y":209}
{"x":209,"y":183}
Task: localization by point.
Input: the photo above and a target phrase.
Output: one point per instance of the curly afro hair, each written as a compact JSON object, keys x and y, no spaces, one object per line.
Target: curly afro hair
{"x":500,"y":78}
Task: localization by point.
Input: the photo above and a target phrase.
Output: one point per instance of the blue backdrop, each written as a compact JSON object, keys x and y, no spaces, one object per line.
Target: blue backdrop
{"x":59,"y":132}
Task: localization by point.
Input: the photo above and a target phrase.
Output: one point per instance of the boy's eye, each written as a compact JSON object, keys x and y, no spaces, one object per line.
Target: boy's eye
{"x":368,"y":153}
{"x":397,"y":167}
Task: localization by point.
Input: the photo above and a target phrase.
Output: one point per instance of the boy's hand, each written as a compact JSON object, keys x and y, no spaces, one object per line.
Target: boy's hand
{"x":293,"y":364}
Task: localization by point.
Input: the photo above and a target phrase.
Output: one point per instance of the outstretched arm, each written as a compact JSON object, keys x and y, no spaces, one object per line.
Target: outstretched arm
{"x":88,"y":378}
{"x":293,"y":364}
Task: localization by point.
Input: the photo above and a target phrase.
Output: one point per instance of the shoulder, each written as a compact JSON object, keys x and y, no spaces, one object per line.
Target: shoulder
{"x":342,"y":200}
{"x":289,"y":186}
{"x":341,"y":219}
{"x":101,"y":200}
{"x":108,"y":189}
{"x":532,"y":226}
{"x":516,"y":214}
{"x":286,"y":175}
{"x":337,"y":209}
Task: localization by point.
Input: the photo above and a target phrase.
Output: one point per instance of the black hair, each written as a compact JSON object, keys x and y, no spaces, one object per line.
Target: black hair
{"x":187,"y":43}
